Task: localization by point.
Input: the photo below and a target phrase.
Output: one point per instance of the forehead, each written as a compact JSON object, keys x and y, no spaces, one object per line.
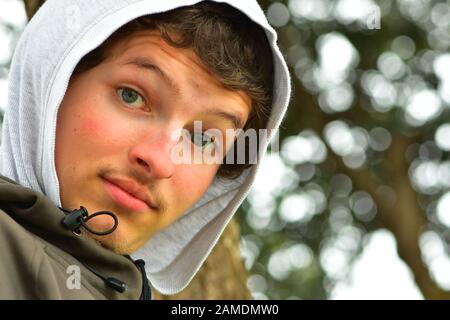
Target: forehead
{"x":151,"y":43}
{"x":182,"y":65}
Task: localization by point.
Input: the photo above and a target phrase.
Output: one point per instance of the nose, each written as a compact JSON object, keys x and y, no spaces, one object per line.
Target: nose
{"x":152,"y":155}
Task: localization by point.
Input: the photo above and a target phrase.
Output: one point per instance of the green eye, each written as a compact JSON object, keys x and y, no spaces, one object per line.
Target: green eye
{"x":131,"y":97}
{"x":202,"y":140}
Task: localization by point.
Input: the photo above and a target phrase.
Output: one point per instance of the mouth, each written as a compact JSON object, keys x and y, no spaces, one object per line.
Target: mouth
{"x":125,"y":199}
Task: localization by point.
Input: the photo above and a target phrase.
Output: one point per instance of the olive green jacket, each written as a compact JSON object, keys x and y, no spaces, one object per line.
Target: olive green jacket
{"x":41,"y":259}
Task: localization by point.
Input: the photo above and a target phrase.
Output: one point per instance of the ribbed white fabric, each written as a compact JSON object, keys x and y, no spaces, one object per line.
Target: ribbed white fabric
{"x":55,"y":40}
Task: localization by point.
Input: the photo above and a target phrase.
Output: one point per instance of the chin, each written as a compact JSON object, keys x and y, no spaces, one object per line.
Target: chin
{"x":118,"y":247}
{"x":126,"y":239}
{"x":116,"y":242}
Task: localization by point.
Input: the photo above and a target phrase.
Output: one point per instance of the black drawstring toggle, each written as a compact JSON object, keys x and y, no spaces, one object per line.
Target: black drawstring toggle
{"x":72,"y":221}
{"x":111,"y":282}
{"x":116,"y":284}
{"x":77,"y":218}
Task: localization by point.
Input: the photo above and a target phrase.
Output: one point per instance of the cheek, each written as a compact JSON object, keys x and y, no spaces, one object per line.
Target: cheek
{"x":91,"y":131}
{"x":92,"y":127}
{"x":81,"y":136}
{"x":185,"y":189}
{"x":76,"y":123}
{"x":194,"y":180}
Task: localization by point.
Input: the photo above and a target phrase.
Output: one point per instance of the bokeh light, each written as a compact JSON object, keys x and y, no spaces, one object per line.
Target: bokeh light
{"x":310,"y":9}
{"x":442,"y":137}
{"x":443,"y":209}
{"x":423,"y":106}
{"x":278,"y":14}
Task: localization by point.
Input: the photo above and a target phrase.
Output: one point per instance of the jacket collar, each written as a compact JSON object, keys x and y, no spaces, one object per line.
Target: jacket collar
{"x":36,"y":213}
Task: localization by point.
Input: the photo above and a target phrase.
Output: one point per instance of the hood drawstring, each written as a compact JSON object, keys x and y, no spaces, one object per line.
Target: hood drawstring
{"x":146,"y":290}
{"x":77,"y":218}
{"x":111,"y":282}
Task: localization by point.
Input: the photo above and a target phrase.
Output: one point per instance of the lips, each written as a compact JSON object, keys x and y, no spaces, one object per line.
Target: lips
{"x":128,"y":194}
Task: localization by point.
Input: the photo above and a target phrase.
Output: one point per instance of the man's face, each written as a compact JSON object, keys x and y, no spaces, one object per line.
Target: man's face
{"x":116,"y":127}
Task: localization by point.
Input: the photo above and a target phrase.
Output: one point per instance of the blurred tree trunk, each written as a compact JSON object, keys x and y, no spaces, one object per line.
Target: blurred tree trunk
{"x":223,"y":275}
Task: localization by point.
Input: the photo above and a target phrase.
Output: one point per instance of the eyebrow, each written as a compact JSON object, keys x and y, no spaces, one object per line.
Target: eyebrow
{"x":235,"y":120}
{"x":149,"y":65}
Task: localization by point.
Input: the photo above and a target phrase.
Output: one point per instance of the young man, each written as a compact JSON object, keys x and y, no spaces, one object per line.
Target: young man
{"x":103,"y":97}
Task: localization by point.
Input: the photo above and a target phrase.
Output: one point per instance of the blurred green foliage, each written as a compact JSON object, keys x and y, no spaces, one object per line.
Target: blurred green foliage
{"x":372,"y":88}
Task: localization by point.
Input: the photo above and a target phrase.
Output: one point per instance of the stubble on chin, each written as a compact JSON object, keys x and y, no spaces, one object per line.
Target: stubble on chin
{"x":109,"y":242}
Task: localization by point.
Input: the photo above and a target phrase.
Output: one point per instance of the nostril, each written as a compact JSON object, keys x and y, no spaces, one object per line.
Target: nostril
{"x":140,"y":161}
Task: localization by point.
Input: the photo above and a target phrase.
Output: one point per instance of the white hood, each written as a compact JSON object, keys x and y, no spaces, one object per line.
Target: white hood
{"x":55,"y":40}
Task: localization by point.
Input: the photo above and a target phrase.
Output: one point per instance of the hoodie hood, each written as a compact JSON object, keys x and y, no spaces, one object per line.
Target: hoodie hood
{"x":55,"y":40}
